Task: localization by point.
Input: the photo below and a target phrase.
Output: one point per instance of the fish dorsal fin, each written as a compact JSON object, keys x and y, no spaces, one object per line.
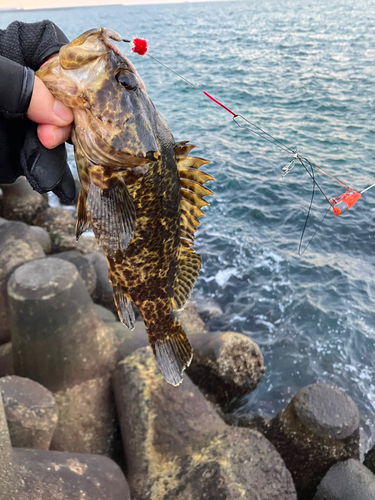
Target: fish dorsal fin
{"x":192,"y":192}
{"x":183,"y":148}
{"x":124,"y":306}
{"x":111,"y":212}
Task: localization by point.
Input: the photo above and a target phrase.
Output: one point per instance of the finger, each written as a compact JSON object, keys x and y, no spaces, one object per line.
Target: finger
{"x":51,"y":135}
{"x":44,"y":108}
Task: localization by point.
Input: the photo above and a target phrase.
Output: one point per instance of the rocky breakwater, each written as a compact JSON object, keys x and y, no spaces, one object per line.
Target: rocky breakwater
{"x":65,"y":355}
{"x":59,"y":341}
{"x":177,"y":447}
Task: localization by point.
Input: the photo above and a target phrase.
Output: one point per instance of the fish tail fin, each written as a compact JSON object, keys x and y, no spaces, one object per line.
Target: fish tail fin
{"x":173,"y":353}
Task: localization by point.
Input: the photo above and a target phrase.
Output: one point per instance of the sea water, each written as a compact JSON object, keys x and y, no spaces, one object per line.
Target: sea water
{"x":303,"y":71}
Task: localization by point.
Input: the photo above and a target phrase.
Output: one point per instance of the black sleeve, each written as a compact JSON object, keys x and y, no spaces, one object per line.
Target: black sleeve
{"x":16,"y":87}
{"x":23,"y":49}
{"x":30,"y":44}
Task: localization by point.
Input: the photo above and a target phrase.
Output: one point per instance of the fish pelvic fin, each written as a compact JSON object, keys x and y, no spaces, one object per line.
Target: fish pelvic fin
{"x":173,"y":353}
{"x":111,"y":211}
{"x":124,"y":306}
{"x":82,"y":223}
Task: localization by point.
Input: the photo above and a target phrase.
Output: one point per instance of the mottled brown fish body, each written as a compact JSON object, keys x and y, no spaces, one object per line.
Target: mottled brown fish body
{"x":141,"y":192}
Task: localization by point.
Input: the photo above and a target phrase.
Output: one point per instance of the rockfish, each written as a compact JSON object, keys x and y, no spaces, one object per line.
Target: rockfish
{"x":141,"y":192}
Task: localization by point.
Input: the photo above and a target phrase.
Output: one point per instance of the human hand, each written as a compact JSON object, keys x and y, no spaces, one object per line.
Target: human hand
{"x":53,"y":117}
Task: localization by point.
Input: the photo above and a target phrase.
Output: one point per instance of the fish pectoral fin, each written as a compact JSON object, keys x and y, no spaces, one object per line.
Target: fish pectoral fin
{"x":189,"y":264}
{"x":124,"y":307}
{"x":174,"y":354}
{"x":112,"y":215}
{"x":82,"y":224}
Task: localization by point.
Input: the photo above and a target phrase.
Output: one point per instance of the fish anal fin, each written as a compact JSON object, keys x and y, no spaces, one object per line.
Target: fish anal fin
{"x":124,"y":306}
{"x":82,"y":223}
{"x":173,"y":354}
{"x":112,"y":214}
{"x":189,"y":264}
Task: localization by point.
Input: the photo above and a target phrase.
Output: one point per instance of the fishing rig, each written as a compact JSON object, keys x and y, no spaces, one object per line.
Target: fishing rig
{"x":338,"y":205}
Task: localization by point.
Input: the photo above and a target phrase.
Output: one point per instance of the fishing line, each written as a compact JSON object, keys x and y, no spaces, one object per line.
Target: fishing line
{"x":338,"y":204}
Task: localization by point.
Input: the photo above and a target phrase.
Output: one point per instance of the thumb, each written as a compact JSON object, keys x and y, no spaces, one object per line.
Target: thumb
{"x":44,"y":108}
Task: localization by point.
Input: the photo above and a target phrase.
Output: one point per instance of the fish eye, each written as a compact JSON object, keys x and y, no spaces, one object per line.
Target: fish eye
{"x":127,"y":80}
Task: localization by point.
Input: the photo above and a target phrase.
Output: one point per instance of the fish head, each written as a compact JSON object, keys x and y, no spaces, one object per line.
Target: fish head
{"x":113,"y":115}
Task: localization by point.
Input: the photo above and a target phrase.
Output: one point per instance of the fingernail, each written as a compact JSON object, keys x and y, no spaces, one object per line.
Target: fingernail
{"x":62,"y":111}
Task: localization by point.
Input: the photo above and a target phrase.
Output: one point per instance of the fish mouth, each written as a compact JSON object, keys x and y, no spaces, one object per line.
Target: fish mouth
{"x":108,"y":36}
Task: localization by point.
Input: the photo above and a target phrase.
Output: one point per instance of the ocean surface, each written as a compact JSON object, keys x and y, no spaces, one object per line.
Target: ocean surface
{"x":304,"y":71}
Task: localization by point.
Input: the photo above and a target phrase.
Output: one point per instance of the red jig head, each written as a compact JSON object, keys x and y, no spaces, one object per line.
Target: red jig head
{"x":345,"y":201}
{"x":139,"y":46}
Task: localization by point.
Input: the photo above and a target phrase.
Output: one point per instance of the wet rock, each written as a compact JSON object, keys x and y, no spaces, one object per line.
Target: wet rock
{"x":69,"y":476}
{"x":21,"y":202}
{"x":349,"y":480}
{"x":43,"y":238}
{"x":6,"y":359}
{"x":9,"y":480}
{"x":127,"y":341}
{"x":190,"y":320}
{"x":40,"y":475}
{"x":17,"y":245}
{"x":369,"y":460}
{"x":207,"y":308}
{"x":103,"y":293}
{"x":31,"y":412}
{"x":225,"y":365}
{"x":318,"y":428}
{"x":85,"y":268}
{"x":54,"y":321}
{"x":105,"y":314}
{"x":177,"y":447}
{"x":91,"y":404}
{"x":60,"y":224}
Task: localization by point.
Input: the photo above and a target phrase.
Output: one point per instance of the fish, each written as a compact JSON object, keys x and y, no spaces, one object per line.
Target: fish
{"x":142,"y":193}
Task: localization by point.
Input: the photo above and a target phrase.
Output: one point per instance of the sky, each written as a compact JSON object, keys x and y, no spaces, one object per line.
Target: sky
{"x":48,"y":4}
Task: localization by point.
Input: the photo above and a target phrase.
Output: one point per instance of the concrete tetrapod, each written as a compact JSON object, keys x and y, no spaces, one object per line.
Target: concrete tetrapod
{"x":177,"y":447}
{"x":319,"y":427}
{"x":42,"y":475}
{"x":18,"y":244}
{"x":21,"y":202}
{"x":349,"y":480}
{"x":31,"y":412}
{"x":60,"y":342}
{"x":225,"y":365}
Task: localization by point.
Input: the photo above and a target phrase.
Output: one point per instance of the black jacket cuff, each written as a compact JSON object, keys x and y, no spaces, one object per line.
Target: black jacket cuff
{"x":26,"y":90}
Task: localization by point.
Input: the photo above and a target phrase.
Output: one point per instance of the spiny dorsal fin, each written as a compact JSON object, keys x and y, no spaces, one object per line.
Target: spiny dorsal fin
{"x":111,"y":212}
{"x":190,"y":162}
{"x":194,"y":175}
{"x":183,"y":148}
{"x":192,"y":192}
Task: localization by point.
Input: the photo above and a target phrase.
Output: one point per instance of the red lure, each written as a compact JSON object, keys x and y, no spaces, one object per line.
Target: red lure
{"x":139,"y":46}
